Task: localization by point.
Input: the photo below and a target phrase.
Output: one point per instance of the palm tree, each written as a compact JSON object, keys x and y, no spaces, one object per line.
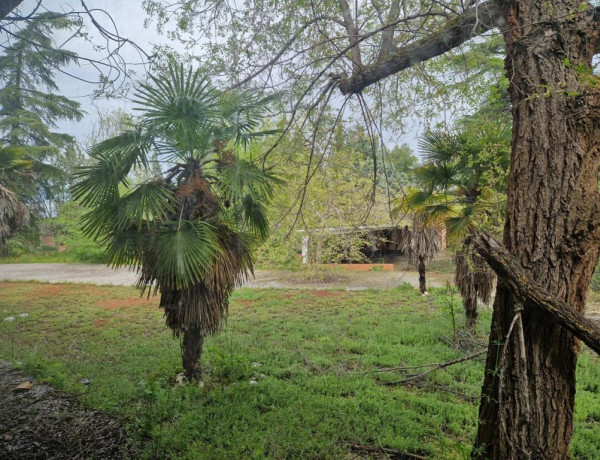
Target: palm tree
{"x":461,"y":185}
{"x":422,"y":244}
{"x":190,"y":230}
{"x":474,"y":279}
{"x":13,"y":213}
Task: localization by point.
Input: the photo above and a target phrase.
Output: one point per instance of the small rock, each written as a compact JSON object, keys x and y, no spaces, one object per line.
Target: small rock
{"x":85,"y":381}
{"x":23,"y":315}
{"x":8,"y":437}
{"x":25,"y":386}
{"x":253,"y":382}
{"x":262,"y":376}
{"x":200,"y":384}
{"x":180,"y":379}
{"x":256,"y":364}
{"x":9,"y":318}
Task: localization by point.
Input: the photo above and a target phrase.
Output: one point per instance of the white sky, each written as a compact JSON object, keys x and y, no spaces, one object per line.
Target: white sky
{"x":129,"y":18}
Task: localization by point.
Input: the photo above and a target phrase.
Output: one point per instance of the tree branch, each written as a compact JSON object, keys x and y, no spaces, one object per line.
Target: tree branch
{"x":518,"y":281}
{"x":6,"y":6}
{"x":387,"y":37}
{"x":472,"y":22}
{"x":352,"y":31}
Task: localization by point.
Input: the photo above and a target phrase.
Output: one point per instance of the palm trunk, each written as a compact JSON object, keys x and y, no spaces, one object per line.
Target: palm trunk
{"x":193,"y":340}
{"x":471,"y":310}
{"x":552,"y":228}
{"x":422,"y":279}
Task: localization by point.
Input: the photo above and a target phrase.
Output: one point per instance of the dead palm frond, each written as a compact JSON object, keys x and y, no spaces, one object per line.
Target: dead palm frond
{"x":422,"y":241}
{"x":474,"y":280}
{"x":13,"y":214}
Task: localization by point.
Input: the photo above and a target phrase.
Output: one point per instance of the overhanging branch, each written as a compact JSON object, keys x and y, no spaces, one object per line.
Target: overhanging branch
{"x":472,"y":22}
{"x":512,"y":274}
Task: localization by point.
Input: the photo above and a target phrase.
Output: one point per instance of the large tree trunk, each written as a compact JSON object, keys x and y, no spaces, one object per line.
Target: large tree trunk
{"x":191,"y":352}
{"x":422,"y":278}
{"x":551,"y":228}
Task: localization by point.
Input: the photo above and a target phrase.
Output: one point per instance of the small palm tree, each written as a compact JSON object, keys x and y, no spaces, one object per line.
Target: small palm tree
{"x":190,"y":230}
{"x":461,"y":186}
{"x":422,"y":244}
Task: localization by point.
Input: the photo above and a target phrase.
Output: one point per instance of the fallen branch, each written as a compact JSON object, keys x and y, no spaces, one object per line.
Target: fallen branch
{"x":525,"y":290}
{"x":391,"y":453}
{"x":436,"y":367}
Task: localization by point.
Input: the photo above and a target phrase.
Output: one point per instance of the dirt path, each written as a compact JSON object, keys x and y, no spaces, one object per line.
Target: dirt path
{"x":42,"y":423}
{"x":280,"y":279}
{"x":100,"y":274}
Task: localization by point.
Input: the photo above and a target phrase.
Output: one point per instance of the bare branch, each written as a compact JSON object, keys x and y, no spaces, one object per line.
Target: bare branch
{"x":455,"y":32}
{"x":387,"y":37}
{"x":352,"y":36}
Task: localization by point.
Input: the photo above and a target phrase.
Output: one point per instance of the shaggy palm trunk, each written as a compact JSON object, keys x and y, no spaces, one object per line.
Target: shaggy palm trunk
{"x":422,"y":279}
{"x":471,"y":313}
{"x":191,"y":350}
{"x":552,"y":228}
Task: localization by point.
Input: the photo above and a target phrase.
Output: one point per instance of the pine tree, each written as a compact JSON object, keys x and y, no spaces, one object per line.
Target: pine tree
{"x":30,"y":108}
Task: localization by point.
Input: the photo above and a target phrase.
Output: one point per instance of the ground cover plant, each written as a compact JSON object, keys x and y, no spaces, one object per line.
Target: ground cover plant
{"x":292,"y":376}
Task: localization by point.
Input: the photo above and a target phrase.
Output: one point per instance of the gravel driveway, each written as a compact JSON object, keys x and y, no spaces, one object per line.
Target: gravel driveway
{"x":100,"y":274}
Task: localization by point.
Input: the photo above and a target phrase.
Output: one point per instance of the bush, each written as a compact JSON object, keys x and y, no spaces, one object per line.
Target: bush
{"x":595,"y":284}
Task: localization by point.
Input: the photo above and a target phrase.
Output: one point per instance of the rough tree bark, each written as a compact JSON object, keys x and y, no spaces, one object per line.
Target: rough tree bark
{"x":191,"y":350}
{"x":552,"y":227}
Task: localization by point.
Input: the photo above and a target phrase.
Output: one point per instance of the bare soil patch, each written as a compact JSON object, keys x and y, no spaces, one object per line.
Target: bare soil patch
{"x":43,"y":423}
{"x":48,"y":290}
{"x":116,"y":304}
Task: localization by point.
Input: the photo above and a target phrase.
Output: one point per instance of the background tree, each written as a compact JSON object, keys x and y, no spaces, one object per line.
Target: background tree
{"x":338,"y":197}
{"x":13,"y":214}
{"x":190,"y":230}
{"x":31,"y":109}
{"x":462,"y":185}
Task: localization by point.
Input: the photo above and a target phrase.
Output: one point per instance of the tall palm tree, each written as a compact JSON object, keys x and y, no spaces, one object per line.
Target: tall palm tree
{"x":461,"y":185}
{"x":190,"y":230}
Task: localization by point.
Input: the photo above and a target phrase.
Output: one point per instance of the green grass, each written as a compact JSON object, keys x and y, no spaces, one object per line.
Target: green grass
{"x":52,"y":257}
{"x":316,"y":395}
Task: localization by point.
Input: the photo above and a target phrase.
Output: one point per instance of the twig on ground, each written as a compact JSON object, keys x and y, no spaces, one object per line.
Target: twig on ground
{"x":435,"y":367}
{"x":391,"y":453}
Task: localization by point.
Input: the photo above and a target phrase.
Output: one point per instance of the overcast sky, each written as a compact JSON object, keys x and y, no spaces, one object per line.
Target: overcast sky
{"x":129,"y":18}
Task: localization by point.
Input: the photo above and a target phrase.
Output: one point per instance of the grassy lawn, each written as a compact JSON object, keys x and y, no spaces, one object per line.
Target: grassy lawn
{"x":313,"y":355}
{"x":50,"y":257}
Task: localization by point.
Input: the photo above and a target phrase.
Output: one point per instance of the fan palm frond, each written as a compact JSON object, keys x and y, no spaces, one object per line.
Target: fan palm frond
{"x":178,"y":254}
{"x":115,"y":159}
{"x":204,"y":304}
